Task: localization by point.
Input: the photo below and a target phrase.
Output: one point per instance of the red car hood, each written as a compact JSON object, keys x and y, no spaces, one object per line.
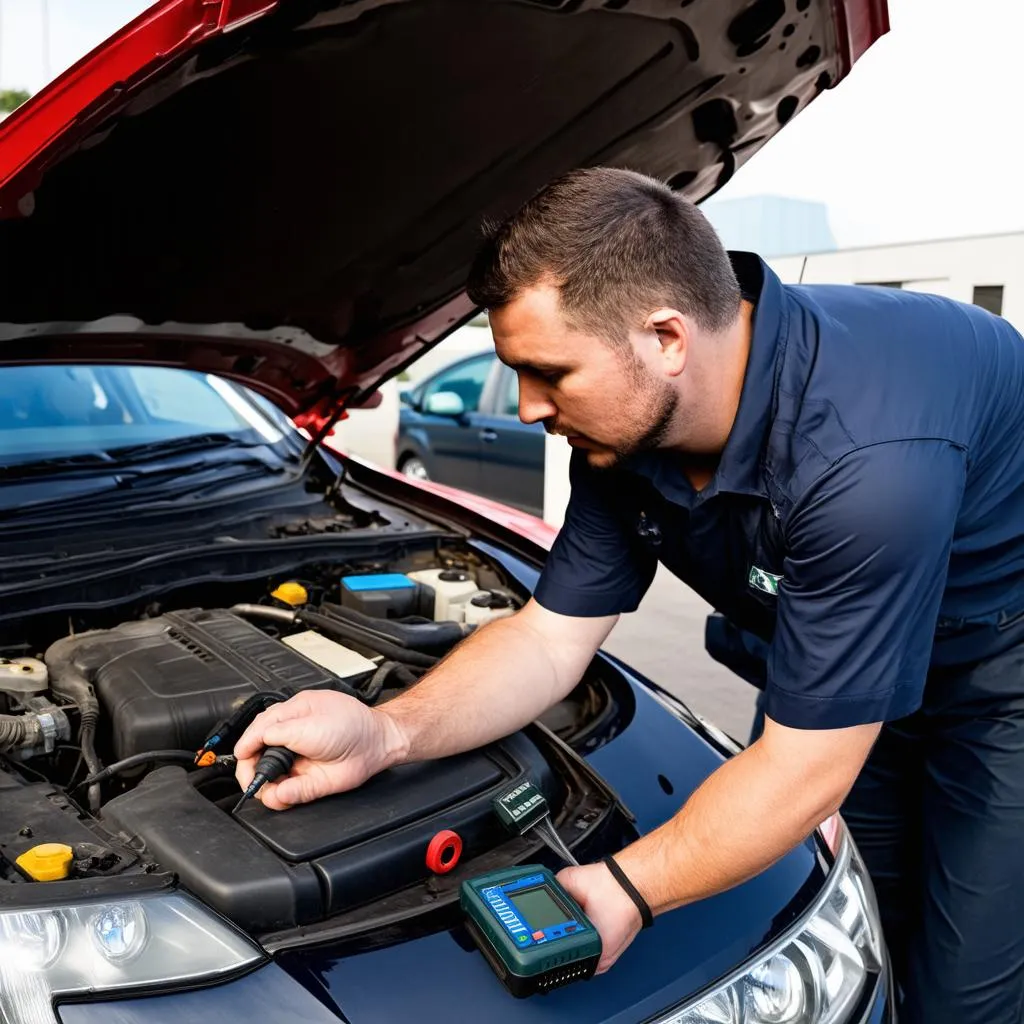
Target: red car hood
{"x":288,"y":192}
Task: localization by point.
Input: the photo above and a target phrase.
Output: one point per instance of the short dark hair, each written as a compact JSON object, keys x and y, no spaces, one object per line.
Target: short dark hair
{"x":617,"y":244}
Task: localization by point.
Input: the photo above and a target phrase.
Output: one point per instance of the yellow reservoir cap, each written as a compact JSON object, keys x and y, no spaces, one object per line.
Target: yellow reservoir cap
{"x":291,"y":593}
{"x":47,"y":862}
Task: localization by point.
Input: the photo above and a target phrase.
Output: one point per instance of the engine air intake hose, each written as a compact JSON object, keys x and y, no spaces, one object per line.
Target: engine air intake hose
{"x":349,"y":631}
{"x":13,"y":732}
{"x":67,"y":681}
{"x":423,"y":635}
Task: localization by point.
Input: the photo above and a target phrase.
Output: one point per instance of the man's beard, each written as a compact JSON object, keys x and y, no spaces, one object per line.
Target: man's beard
{"x":658,"y":403}
{"x":660,"y":410}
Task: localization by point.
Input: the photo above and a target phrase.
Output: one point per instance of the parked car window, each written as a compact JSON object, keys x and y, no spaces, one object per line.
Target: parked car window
{"x":510,"y":404}
{"x":466,"y":380}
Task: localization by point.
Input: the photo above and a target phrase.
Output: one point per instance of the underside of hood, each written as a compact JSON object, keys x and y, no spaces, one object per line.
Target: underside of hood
{"x":289,"y":194}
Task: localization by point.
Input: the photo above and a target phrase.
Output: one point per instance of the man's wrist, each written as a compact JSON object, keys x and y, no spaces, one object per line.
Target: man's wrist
{"x":395,"y":744}
{"x":634,"y":895}
{"x":641,"y":864}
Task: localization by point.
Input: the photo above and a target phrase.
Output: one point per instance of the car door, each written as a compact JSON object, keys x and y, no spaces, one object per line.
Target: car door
{"x":512,"y":452}
{"x":452,"y":440}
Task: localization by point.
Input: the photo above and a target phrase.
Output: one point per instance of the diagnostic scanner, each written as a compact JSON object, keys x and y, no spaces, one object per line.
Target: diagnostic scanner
{"x":531,"y":931}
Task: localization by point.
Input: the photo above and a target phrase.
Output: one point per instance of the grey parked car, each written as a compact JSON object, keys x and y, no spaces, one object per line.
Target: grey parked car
{"x":461,"y":427}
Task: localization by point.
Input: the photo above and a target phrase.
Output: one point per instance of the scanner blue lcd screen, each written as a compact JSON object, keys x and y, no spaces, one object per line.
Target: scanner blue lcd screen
{"x":539,"y":909}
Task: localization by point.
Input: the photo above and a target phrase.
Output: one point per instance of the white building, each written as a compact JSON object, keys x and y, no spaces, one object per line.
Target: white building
{"x":987,"y":270}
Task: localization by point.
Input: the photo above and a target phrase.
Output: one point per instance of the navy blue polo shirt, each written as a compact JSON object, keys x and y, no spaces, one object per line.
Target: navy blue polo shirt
{"x":866,"y":517}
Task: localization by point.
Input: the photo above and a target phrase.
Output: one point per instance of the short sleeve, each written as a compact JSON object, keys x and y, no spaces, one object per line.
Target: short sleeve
{"x":869,"y":548}
{"x":595,"y":567}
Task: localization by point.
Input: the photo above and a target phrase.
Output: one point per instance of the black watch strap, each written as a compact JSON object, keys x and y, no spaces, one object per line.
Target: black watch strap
{"x":631,"y":891}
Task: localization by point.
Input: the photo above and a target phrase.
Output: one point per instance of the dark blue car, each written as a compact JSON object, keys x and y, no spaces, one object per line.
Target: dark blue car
{"x":220,"y":231}
{"x":461,"y":427}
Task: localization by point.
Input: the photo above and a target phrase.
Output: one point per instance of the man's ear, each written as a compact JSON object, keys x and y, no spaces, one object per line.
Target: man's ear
{"x":673,"y":334}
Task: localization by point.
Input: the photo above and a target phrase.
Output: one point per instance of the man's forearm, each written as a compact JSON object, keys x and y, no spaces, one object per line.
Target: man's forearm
{"x":497,"y":681}
{"x":747,"y":815}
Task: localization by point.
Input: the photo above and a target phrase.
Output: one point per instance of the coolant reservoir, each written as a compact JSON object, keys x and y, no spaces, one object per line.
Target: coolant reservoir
{"x":22,"y":677}
{"x":486,"y":605}
{"x":452,"y":588}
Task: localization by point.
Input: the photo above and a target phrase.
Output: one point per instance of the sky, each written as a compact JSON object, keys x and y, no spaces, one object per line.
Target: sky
{"x":921,"y":141}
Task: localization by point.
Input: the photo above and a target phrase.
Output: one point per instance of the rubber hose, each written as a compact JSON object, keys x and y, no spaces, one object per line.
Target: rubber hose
{"x":404,"y":677}
{"x":427,"y":637}
{"x":262,"y":611}
{"x":13,"y":732}
{"x":68,"y":682}
{"x":186,"y":756}
{"x":346,"y":631}
{"x":370,"y":637}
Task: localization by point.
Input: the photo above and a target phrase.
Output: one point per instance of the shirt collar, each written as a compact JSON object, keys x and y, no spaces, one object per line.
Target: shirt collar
{"x":739,"y":469}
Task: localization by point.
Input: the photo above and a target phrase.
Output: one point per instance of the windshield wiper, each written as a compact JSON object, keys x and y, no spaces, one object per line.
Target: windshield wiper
{"x":178,"y":446}
{"x":160,"y":488}
{"x":91,"y":463}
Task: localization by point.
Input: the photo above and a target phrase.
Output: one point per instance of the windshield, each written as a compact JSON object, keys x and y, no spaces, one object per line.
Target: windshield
{"x":66,"y":411}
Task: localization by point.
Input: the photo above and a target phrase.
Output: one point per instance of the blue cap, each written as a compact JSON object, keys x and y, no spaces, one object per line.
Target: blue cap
{"x":378,"y":581}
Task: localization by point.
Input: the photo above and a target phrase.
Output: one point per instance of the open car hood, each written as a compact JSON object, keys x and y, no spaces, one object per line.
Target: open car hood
{"x":288,"y":192}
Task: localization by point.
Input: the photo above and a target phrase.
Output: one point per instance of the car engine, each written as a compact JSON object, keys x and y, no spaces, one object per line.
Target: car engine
{"x":116,"y":744}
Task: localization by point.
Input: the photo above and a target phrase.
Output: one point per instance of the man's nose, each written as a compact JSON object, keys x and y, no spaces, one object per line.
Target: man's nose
{"x":534,"y":404}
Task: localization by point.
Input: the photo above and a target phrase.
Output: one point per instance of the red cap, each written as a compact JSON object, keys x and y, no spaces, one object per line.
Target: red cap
{"x":444,"y":851}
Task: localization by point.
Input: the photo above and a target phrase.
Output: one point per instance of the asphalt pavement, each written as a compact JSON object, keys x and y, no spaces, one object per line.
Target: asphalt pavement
{"x":664,"y":640}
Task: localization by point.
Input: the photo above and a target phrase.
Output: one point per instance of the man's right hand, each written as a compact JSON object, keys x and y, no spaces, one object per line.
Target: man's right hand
{"x":505,"y":675}
{"x":339,"y":744}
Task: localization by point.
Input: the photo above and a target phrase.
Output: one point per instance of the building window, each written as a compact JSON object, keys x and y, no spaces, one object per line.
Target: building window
{"x":880,"y":284}
{"x":990,"y":297}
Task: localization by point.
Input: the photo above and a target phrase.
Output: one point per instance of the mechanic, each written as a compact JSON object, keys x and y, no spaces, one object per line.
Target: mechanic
{"x":837,"y":470}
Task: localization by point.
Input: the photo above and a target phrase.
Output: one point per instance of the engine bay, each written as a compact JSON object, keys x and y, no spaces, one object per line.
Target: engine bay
{"x":116,"y":744}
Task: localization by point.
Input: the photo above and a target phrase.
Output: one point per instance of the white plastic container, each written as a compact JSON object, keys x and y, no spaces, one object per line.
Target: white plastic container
{"x":486,"y":606}
{"x":24,"y":677}
{"x":452,"y":588}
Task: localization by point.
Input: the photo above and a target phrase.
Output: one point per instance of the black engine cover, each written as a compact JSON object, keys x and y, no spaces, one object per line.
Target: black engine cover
{"x":165,"y":682}
{"x":268,"y":870}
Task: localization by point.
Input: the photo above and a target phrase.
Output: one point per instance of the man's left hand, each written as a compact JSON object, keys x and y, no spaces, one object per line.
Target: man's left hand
{"x":609,"y":908}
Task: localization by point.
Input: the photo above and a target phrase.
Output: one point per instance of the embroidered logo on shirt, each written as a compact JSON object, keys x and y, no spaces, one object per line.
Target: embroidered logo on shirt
{"x":761,"y":579}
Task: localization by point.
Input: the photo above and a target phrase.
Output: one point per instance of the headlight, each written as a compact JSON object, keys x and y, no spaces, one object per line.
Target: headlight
{"x":818,"y":973}
{"x":109,"y":947}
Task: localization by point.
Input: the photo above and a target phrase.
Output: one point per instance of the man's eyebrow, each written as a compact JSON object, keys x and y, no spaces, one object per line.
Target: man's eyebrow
{"x":525,"y":367}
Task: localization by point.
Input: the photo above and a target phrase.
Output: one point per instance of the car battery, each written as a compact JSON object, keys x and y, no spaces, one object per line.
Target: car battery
{"x":391,"y":595}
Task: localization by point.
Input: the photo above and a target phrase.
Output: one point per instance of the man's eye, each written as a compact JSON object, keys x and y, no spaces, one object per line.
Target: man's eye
{"x":552,"y":376}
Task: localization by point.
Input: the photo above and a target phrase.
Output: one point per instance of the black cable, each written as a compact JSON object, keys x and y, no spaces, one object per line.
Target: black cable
{"x":238,"y":721}
{"x":80,"y":760}
{"x":352,"y":633}
{"x":78,"y":767}
{"x":67,"y":681}
{"x":87,"y":739}
{"x":184,"y":756}
{"x":404,"y":675}
{"x":412,"y":632}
